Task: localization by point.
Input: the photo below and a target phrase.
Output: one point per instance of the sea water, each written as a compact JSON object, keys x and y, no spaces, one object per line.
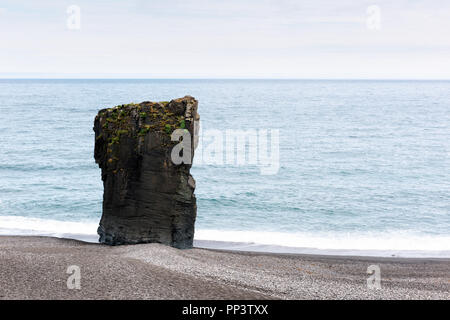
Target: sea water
{"x":364,"y":166}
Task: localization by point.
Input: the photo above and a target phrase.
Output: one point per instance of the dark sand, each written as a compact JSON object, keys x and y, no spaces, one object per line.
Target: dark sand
{"x":35,"y":268}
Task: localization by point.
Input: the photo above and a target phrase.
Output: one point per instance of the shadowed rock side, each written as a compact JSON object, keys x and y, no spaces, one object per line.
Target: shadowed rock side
{"x":147,"y":198}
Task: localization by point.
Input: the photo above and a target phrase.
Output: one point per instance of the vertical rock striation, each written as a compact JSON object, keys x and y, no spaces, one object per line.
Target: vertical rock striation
{"x":147,"y":198}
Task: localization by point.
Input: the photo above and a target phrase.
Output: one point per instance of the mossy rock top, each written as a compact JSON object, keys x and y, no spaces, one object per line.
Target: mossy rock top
{"x":149,"y":116}
{"x":130,"y":124}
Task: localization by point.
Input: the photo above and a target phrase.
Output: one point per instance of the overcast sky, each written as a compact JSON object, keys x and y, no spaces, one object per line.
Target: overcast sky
{"x":226,"y":39}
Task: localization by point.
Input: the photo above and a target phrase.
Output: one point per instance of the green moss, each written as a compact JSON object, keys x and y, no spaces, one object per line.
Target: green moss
{"x":122,"y":131}
{"x":119,"y":121}
{"x":143,"y":131}
{"x":115,"y":140}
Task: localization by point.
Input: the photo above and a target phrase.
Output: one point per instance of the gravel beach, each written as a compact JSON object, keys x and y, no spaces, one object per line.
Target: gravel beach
{"x":36,"y":268}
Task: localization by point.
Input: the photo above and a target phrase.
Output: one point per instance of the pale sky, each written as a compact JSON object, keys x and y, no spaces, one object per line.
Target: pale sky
{"x":226,"y":39}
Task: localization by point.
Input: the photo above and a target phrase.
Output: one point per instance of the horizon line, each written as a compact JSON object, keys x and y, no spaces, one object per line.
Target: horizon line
{"x":231,"y":78}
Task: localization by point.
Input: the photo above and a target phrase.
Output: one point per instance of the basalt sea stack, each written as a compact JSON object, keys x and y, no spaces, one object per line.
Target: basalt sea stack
{"x":147,"y":197}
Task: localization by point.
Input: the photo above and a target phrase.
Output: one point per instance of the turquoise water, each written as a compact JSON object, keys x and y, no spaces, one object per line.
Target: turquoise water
{"x":363,"y":164}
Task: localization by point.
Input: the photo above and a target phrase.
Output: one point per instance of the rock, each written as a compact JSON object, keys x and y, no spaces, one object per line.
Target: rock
{"x":147,"y":198}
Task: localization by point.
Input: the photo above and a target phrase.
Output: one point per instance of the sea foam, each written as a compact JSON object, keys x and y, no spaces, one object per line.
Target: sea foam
{"x":362,"y":244}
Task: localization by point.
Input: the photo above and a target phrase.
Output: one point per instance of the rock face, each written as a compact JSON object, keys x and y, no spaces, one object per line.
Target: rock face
{"x":147,"y":198}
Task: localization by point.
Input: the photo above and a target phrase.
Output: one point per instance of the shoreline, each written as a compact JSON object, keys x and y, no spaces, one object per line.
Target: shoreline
{"x":360,"y":244}
{"x":240,"y":246}
{"x":34,"y":267}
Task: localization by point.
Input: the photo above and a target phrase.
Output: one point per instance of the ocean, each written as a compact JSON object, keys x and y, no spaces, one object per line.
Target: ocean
{"x":364,"y":166}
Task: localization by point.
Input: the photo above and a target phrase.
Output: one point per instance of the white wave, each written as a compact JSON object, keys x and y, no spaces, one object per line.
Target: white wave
{"x":383,"y":244}
{"x":13,"y":225}
{"x":332,"y":241}
{"x":400,"y":244}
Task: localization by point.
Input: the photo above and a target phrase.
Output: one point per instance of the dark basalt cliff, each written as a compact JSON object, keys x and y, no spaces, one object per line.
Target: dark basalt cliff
{"x":147,"y":198}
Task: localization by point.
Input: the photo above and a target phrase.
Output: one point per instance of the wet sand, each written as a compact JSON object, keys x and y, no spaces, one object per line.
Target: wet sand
{"x":36,"y":268}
